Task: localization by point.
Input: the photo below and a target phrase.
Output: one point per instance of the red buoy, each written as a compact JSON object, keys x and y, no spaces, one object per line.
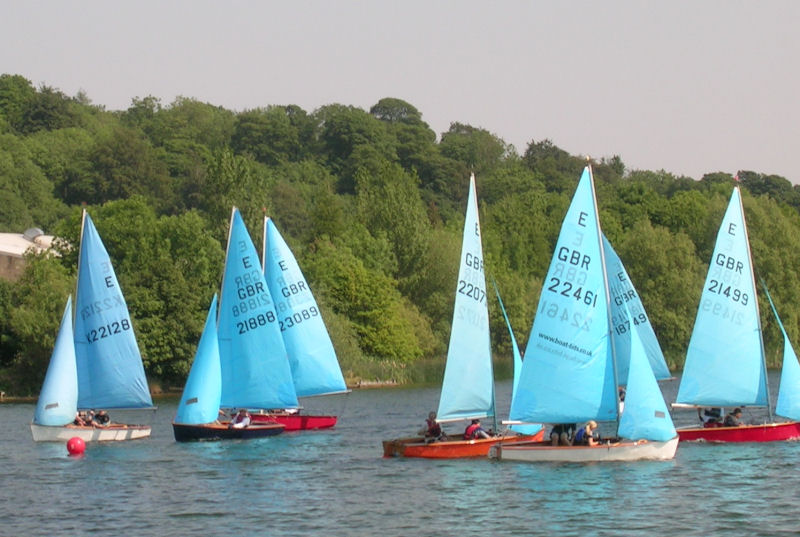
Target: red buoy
{"x":76,"y":446}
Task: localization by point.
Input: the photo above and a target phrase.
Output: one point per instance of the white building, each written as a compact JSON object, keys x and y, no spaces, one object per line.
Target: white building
{"x":13,"y":247}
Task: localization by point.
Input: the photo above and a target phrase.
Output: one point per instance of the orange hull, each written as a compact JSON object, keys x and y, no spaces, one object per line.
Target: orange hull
{"x":768,"y":432}
{"x":451,"y":448}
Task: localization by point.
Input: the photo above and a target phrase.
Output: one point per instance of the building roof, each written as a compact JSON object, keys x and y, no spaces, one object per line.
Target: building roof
{"x":16,"y":244}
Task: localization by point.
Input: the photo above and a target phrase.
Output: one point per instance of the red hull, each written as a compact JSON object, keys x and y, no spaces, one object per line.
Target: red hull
{"x":451,"y":449}
{"x":769,"y":432}
{"x":296,"y":422}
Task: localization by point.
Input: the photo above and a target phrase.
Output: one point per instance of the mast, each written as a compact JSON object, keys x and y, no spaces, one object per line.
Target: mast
{"x":758,"y":312}
{"x":80,"y":249}
{"x":607,"y":292}
{"x":225,"y":266}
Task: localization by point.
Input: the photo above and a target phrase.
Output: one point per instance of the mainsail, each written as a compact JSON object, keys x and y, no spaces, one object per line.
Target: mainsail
{"x":110,"y":369}
{"x":468,"y":385}
{"x":725,"y":360}
{"x":315,"y":368}
{"x":254,"y":363}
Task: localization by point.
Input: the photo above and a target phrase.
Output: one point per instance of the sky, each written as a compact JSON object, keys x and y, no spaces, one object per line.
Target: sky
{"x":687,"y":86}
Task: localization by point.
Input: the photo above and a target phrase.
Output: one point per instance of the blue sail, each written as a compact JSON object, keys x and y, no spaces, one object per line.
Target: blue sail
{"x":110,"y":369}
{"x":628,"y":314}
{"x":788,"y":404}
{"x":568,"y":372}
{"x":524,"y":428}
{"x":201,"y":395}
{"x":315,"y":368}
{"x":468,"y":385}
{"x":725,"y":360}
{"x":58,"y":399}
{"x":255,"y":367}
{"x":645,"y":415}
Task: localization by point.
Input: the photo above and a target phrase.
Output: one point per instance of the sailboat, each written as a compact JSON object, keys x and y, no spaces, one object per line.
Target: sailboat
{"x":96,"y":362}
{"x":569,"y":373}
{"x":199,"y":407}
{"x":468,"y":384}
{"x":315,"y":368}
{"x":253,"y":364}
{"x":725,"y":362}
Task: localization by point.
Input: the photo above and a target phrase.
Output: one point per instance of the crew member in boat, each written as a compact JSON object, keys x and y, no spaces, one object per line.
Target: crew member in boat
{"x":734,"y":418}
{"x":79,"y":420}
{"x":432,"y":430}
{"x":711,"y":417}
{"x":240,"y":420}
{"x":474,"y":430}
{"x":562,"y":434}
{"x":587,"y":435}
{"x":102,"y":419}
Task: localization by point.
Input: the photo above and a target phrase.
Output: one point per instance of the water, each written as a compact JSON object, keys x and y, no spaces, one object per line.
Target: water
{"x":332,"y":483}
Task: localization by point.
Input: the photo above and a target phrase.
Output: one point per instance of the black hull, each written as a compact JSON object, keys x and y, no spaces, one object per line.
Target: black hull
{"x":189,"y":433}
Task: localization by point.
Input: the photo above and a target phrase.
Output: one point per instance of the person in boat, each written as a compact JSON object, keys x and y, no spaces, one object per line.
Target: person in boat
{"x":432,"y":430}
{"x":711,"y":417}
{"x":79,"y":420}
{"x":562,"y":434}
{"x":734,"y":419}
{"x":474,"y":430}
{"x":587,"y":435}
{"x":240,"y":420}
{"x":102,"y":419}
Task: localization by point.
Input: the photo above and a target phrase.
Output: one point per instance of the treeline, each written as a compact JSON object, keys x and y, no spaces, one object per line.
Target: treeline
{"x":372,"y":204}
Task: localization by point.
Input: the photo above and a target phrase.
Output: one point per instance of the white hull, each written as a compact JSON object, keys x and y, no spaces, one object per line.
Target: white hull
{"x":114,"y":433}
{"x":623,"y":451}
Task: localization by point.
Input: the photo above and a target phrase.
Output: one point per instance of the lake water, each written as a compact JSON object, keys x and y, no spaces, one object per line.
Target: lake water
{"x":335,"y":482}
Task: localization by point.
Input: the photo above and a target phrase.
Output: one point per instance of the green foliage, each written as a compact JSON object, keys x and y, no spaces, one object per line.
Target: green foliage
{"x":371,"y":204}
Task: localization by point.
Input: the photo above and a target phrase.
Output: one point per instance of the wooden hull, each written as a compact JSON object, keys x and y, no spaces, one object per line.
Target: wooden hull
{"x":452,"y":448}
{"x":296,"y":422}
{"x":622,"y":451}
{"x":768,"y":432}
{"x":112,"y":433}
{"x":188,"y":433}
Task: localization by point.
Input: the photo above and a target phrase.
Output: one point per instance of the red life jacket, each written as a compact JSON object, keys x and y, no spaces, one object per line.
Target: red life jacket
{"x":470,"y":430}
